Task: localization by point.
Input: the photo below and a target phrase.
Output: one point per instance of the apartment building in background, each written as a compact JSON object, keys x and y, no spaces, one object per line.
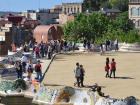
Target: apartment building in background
{"x":72,"y":8}
{"x":44,"y":16}
{"x":134,"y":12}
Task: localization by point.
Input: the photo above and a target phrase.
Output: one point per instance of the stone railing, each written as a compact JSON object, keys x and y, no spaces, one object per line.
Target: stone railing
{"x":126,"y":47}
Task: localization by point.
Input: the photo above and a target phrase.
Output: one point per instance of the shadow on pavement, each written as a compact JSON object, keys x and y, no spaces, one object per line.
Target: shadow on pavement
{"x":124,"y":78}
{"x":52,"y":85}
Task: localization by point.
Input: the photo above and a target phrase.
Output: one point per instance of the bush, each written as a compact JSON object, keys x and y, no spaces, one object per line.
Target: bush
{"x":20,"y":83}
{"x":131,"y":36}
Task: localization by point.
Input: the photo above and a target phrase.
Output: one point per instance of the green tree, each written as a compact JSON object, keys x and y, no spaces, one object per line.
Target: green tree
{"x":86,"y":27}
{"x":123,"y":22}
{"x":91,"y":5}
{"x":122,"y":5}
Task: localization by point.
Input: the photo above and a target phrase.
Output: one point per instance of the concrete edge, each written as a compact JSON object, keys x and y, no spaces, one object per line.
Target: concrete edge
{"x":48,"y":66}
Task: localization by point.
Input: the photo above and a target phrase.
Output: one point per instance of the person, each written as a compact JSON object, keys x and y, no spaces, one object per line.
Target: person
{"x":24,"y":60}
{"x":82,"y":75}
{"x":113,"y":68}
{"x":37,"y":51}
{"x":107,"y":44}
{"x":84,"y":44}
{"x":101,"y":49}
{"x":49,"y":52}
{"x":18,"y":68}
{"x":77,"y":74}
{"x":88,"y":46}
{"x":116,"y":45}
{"x":65,"y":46}
{"x":107,"y":70}
{"x":25,"y":47}
{"x":42,"y":49}
{"x":107,"y":60}
{"x":38,"y":70}
{"x":73,"y":46}
{"x":30,"y":69}
{"x":107,"y":67}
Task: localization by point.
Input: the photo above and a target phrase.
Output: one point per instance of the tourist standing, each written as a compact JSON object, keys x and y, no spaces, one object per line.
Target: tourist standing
{"x":37,"y":51}
{"x":73,"y":46}
{"x":116,"y":45}
{"x":113,"y":68}
{"x":18,"y":68}
{"x":101,"y":49}
{"x":82,"y":74}
{"x":107,"y":70}
{"x":77,"y":74}
{"x":84,"y":44}
{"x":25,"y":48}
{"x":24,"y":61}
{"x":42,"y":49}
{"x":38,"y":70}
{"x":88,"y":46}
{"x":107,"y":67}
{"x":46,"y":49}
{"x":65,"y":46}
{"x":49,"y":52}
{"x":30,"y":70}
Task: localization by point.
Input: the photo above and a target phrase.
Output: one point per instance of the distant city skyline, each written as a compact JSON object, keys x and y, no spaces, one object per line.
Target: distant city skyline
{"x":23,"y":5}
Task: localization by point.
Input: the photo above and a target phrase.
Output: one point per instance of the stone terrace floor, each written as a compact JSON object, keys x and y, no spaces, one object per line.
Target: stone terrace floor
{"x":127,"y":83}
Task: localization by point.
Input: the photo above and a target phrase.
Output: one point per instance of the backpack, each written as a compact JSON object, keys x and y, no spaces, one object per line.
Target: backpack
{"x":30,"y":69}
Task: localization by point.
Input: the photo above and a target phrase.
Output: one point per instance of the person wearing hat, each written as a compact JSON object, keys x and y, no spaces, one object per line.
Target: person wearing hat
{"x":38,"y":70}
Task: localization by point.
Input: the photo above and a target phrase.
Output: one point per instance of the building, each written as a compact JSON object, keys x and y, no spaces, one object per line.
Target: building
{"x":57,"y":9}
{"x":44,"y":16}
{"x":72,"y":8}
{"x":5,"y":42}
{"x":111,"y":13}
{"x":47,"y":33}
{"x":64,"y":18}
{"x":29,"y":14}
{"x":134,"y":12}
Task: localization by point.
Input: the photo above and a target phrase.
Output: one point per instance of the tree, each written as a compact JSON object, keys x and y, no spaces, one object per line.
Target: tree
{"x":90,"y":5}
{"x":86,"y":27}
{"x":122,"y":5}
{"x":123,"y":22}
{"x":97,"y":27}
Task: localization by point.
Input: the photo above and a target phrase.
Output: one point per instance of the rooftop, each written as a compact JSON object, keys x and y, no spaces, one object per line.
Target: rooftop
{"x":71,"y":3}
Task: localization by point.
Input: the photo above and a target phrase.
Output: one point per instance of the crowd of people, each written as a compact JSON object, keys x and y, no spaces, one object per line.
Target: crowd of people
{"x":48,"y":49}
{"x":108,"y":45}
{"x":27,"y":67}
{"x":39,"y":50}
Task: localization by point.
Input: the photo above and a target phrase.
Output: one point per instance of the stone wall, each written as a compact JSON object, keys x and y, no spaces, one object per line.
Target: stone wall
{"x":16,"y":100}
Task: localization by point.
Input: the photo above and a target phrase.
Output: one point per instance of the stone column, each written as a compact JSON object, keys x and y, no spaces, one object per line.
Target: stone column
{"x":76,"y":9}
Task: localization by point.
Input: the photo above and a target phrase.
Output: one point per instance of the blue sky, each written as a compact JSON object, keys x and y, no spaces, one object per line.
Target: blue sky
{"x":22,"y":5}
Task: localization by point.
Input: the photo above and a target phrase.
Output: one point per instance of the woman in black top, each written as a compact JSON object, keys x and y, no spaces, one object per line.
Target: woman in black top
{"x":82,"y":75}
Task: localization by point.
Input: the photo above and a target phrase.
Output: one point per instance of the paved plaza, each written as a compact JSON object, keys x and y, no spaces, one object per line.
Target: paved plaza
{"x":127,"y":83}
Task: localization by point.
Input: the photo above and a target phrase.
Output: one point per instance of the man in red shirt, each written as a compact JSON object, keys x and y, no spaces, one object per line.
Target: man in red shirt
{"x":38,"y":70}
{"x":113,"y":68}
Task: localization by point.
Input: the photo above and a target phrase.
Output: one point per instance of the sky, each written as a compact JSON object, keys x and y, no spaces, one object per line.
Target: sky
{"x":23,"y":5}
